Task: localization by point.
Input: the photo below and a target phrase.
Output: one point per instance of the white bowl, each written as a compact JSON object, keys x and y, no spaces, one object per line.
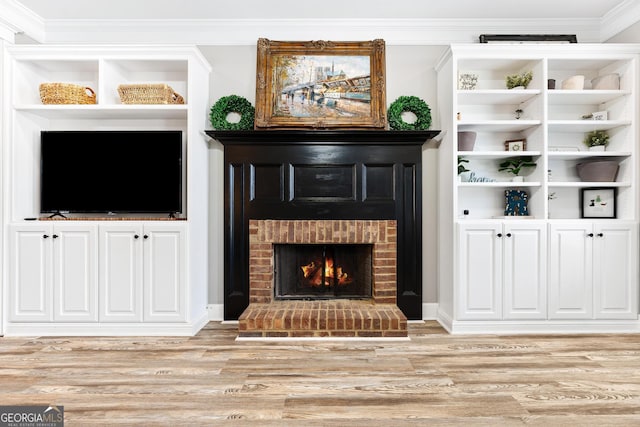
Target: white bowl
{"x":606,"y":82}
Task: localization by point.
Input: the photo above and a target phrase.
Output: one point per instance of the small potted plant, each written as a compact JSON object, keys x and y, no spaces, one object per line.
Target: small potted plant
{"x":596,"y":140}
{"x":514,"y":165}
{"x":520,"y":81}
{"x":461,"y":167}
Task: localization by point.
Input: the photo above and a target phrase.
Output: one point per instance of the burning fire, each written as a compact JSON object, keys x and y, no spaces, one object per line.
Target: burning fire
{"x":332,"y":275}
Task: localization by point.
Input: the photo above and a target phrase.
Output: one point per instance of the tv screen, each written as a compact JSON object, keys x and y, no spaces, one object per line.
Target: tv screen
{"x":111,"y":172}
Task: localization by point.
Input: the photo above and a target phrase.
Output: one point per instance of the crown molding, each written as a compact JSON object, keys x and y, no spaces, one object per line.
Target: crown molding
{"x":7,"y":32}
{"x":619,"y":19}
{"x":18,"y":19}
{"x":247,"y":31}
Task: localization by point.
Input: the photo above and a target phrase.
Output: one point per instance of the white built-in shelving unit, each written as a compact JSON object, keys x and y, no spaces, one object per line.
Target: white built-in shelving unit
{"x":552,"y":270}
{"x":92,"y":275}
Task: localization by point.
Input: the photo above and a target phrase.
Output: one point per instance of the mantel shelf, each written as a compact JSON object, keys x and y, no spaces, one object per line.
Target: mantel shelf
{"x":323,"y":137}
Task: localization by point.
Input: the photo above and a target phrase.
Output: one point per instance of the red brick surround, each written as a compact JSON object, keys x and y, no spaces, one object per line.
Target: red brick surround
{"x":377,"y":317}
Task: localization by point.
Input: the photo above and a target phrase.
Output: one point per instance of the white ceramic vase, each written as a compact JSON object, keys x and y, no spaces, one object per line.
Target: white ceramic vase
{"x":573,"y":83}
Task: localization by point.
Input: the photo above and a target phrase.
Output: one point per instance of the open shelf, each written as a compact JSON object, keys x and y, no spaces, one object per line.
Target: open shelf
{"x":496,"y":96}
{"x":128,"y":112}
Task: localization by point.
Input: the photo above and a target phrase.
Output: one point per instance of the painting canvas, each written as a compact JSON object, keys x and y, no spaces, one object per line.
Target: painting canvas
{"x":320,"y":84}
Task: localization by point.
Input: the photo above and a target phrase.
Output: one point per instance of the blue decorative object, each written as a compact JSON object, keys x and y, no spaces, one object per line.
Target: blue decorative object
{"x":516,"y":203}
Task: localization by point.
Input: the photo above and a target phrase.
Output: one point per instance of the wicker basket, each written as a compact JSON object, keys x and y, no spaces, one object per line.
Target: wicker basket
{"x":66,"y":93}
{"x":148,"y":94}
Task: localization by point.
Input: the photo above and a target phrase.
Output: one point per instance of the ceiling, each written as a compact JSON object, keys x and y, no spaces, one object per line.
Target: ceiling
{"x":240,"y":21}
{"x":292,"y":9}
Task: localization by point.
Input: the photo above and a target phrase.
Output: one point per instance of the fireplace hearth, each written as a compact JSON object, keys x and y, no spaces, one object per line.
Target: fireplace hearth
{"x":367,"y":249}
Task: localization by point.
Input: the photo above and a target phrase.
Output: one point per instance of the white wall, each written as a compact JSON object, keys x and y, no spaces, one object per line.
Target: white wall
{"x":410,"y":71}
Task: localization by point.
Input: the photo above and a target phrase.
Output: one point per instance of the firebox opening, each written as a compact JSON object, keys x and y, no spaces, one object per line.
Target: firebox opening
{"x":323,"y":271}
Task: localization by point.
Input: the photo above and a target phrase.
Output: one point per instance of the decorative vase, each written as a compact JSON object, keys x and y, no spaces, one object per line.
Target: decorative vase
{"x":597,"y":148}
{"x":517,"y":179}
{"x":466,"y":140}
{"x":606,"y":82}
{"x":573,"y":83}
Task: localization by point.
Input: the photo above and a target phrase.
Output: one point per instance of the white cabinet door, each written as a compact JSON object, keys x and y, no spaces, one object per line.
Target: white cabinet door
{"x":121,"y":272}
{"x":615,"y":271}
{"x":570,"y":270}
{"x":30,"y":273}
{"x":75,"y":273}
{"x":479,"y":273}
{"x":164,"y":273}
{"x":525,"y":271}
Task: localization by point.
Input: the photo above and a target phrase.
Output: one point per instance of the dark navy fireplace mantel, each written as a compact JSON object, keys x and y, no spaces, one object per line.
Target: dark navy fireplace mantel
{"x":323,"y":174}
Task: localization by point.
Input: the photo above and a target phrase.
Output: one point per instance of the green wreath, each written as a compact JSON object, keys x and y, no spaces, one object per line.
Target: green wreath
{"x":411,"y":104}
{"x":232,"y":104}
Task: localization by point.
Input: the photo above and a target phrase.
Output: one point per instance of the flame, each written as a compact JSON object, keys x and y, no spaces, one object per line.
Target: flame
{"x":332,"y":274}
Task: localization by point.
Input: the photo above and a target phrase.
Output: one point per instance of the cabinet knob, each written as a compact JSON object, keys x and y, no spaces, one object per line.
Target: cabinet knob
{"x":600,"y":234}
{"x":55,"y":236}
{"x":590,"y":235}
{"x":135,"y":236}
{"x":499,"y":234}
{"x":45,"y":236}
{"x":508,"y":234}
{"x":146,"y":236}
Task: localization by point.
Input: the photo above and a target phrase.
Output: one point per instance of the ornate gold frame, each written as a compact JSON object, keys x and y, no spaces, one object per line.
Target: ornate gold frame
{"x":266,"y":98}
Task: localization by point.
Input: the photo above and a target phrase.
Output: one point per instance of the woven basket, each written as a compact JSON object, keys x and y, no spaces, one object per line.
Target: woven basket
{"x":66,"y":93}
{"x":148,"y":94}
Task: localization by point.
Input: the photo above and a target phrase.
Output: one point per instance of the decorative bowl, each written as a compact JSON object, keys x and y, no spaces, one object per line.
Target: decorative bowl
{"x":573,"y":83}
{"x":606,"y":82}
{"x":598,"y":170}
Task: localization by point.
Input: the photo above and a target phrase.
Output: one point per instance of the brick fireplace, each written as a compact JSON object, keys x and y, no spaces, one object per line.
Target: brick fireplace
{"x":377,"y":316}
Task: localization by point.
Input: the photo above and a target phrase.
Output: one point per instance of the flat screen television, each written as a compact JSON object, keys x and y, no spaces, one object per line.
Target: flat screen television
{"x":111,"y":172}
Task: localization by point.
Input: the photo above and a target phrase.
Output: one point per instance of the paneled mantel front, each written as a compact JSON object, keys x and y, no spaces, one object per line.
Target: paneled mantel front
{"x":319,"y":175}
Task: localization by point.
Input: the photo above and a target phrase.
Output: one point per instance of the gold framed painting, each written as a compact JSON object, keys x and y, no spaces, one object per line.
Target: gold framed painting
{"x":320,"y":84}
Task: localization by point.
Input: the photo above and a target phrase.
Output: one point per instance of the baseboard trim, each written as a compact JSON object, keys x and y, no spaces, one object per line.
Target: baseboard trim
{"x":104,"y":329}
{"x":550,"y":327}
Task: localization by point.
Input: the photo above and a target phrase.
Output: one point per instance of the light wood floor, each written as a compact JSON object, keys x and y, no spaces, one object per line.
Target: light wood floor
{"x":433,"y":379}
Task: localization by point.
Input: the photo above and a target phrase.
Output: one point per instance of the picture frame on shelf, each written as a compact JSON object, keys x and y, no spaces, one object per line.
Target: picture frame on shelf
{"x":467,"y":81}
{"x":515,"y":145}
{"x":320,"y":84}
{"x":598,"y":202}
{"x":516,"y":203}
